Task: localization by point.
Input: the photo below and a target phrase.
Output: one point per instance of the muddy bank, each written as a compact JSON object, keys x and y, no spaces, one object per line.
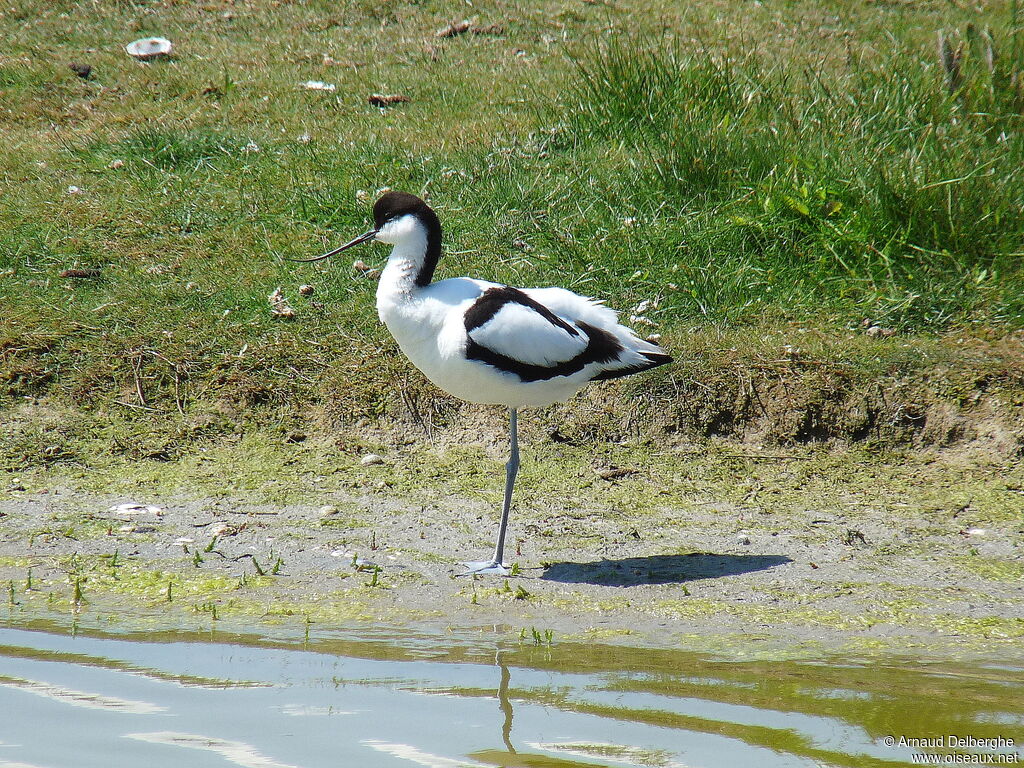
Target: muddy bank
{"x":834,"y":492}
{"x":797,"y":399}
{"x":780,"y":387}
{"x":805,"y":549}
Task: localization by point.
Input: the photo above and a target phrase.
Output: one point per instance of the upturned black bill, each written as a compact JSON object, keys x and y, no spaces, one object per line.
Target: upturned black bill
{"x":361,"y":239}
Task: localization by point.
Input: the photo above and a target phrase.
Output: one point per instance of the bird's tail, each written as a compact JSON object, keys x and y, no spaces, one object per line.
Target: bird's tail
{"x":650,"y":360}
{"x":639,"y":355}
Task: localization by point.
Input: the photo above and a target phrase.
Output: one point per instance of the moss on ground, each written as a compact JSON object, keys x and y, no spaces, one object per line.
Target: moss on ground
{"x":995,"y":569}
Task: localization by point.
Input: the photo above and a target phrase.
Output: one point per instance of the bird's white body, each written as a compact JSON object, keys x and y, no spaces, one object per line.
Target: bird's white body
{"x":429,"y":325}
{"x":490,"y":343}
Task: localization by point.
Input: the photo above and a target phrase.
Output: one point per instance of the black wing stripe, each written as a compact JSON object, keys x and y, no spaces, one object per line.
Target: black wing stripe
{"x":492,"y":300}
{"x":602,"y":347}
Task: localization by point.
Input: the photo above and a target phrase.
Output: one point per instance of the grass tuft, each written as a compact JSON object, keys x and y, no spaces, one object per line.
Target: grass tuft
{"x":176,"y":150}
{"x":868,"y":188}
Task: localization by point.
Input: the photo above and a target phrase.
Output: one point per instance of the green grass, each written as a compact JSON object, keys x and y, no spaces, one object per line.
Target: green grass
{"x":742,"y":169}
{"x":863,"y":190}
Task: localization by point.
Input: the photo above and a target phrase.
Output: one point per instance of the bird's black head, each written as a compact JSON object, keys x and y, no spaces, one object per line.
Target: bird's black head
{"x":391,"y":226}
{"x":394,"y":205}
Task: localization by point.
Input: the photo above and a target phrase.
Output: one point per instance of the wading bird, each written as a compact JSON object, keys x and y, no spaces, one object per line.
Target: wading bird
{"x":490,"y":343}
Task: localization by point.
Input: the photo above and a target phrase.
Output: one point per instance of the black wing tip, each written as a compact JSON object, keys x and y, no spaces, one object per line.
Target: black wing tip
{"x":655,"y":359}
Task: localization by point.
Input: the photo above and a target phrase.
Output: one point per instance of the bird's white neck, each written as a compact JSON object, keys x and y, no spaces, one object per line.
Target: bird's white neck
{"x":398,"y":280}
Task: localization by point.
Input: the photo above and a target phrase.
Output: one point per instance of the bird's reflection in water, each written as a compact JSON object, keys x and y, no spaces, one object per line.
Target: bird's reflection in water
{"x":504,"y":703}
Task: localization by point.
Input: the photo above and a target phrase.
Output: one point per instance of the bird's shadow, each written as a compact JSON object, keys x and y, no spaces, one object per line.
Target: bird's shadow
{"x":660,"y":569}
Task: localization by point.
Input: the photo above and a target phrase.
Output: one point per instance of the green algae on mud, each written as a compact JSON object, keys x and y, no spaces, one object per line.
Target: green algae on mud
{"x":995,"y":569}
{"x":264,"y":468}
{"x":131,"y":592}
{"x":815,"y":547}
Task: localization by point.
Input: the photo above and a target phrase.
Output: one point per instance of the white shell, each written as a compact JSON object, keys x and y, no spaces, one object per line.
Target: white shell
{"x":317,"y":85}
{"x":149,"y":48}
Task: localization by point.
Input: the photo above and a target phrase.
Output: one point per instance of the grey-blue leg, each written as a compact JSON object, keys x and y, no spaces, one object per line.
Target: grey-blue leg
{"x":496,"y":564}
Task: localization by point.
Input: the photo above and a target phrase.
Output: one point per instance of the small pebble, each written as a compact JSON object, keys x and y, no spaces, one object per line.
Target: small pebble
{"x":371,"y":458}
{"x":327,"y":511}
{"x":84,"y":71}
{"x":133,"y":508}
{"x":454,"y":29}
{"x":386,"y":99}
{"x":361,"y":266}
{"x":133,"y":528}
{"x":319,"y":85}
{"x":613,"y":473}
{"x":279,"y":306}
{"x":742,"y":539}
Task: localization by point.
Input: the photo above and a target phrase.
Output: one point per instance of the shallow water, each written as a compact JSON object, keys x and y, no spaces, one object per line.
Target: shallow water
{"x":399,"y":698}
